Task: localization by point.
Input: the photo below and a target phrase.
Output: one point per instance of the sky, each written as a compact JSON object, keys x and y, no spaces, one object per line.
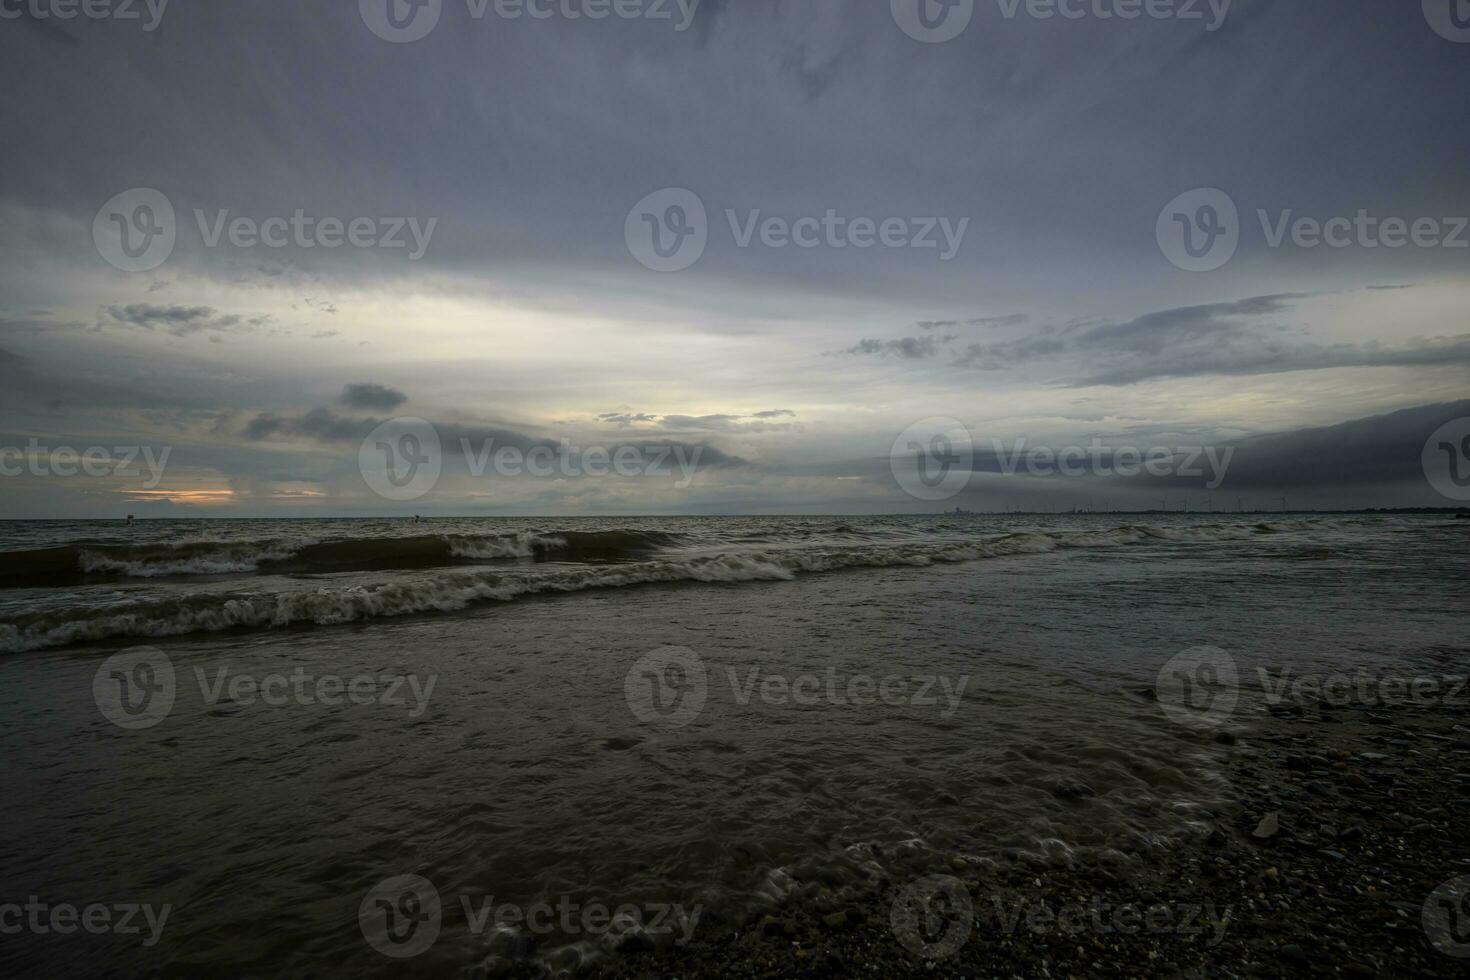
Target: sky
{"x":787,"y":256}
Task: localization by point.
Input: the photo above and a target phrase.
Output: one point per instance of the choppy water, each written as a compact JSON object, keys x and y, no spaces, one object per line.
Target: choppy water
{"x":533,"y":754}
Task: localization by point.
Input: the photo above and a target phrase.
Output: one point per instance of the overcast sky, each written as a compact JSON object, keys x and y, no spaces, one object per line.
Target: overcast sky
{"x":987,"y":239}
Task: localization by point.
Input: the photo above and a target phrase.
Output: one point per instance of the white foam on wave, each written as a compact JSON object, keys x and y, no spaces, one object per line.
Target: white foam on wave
{"x":449,"y":591}
{"x":524,"y":545}
{"x":222,"y":558}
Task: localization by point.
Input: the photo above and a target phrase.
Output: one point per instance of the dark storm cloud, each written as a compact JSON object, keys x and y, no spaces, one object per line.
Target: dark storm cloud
{"x":990,"y":357}
{"x":181,"y":321}
{"x":838,"y":110}
{"x":1277,"y":358}
{"x":371,"y":396}
{"x":43,"y":380}
{"x":1155,"y":332}
{"x":1009,"y":320}
{"x":911,"y":348}
{"x":529,"y":141}
{"x":177,"y":319}
{"x":1374,"y":458}
{"x":1356,"y":455}
{"x":320,"y":423}
{"x":325,"y":426}
{"x":1237,"y":338}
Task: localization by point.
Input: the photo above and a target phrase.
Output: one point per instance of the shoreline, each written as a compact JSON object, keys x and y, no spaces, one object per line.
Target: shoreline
{"x":1343,"y":829}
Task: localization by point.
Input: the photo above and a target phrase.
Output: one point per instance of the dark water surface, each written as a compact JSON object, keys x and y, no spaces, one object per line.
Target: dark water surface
{"x":518,"y":763}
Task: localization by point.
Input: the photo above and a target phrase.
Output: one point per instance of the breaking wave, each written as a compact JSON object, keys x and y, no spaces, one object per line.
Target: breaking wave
{"x":449,"y":590}
{"x":77,"y":564}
